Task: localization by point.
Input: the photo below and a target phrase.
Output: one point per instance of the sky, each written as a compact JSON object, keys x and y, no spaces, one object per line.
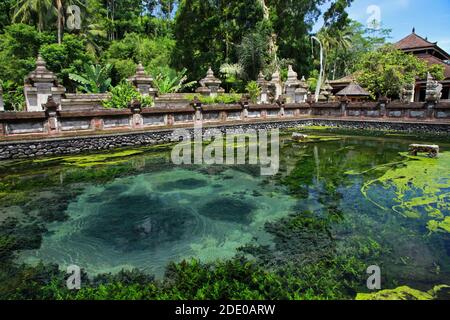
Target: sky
{"x":431,"y":18}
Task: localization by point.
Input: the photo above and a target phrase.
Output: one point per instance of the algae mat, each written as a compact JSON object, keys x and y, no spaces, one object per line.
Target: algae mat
{"x":417,"y":187}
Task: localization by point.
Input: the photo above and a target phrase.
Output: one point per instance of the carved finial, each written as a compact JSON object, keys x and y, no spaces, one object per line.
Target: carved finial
{"x":414,"y":30}
{"x":140,"y":70}
{"x":40,"y":61}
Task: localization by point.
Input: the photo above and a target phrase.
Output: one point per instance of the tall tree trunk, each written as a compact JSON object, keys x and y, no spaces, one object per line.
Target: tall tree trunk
{"x":59,"y":8}
{"x":273,"y":48}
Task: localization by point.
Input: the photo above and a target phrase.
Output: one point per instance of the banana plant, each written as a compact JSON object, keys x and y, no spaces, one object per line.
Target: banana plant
{"x":95,"y":79}
{"x":171,"y":82}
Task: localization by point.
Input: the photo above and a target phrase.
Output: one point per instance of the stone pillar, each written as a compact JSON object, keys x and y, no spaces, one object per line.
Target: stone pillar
{"x":51,"y":111}
{"x":136,"y":119}
{"x":382,"y":103}
{"x":143,"y":82}
{"x":281,"y":103}
{"x":198,"y":110}
{"x":244,"y":104}
{"x":277,"y":85}
{"x":39,"y":85}
{"x":344,"y":103}
{"x":264,"y":85}
{"x":210,"y":85}
{"x":2,"y":106}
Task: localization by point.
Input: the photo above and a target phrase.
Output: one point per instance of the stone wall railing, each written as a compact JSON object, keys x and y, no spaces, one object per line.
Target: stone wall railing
{"x":74,"y":121}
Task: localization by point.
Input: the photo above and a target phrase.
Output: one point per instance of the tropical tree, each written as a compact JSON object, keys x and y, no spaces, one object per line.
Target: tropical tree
{"x":207,"y":32}
{"x":253,"y":53}
{"x":43,"y":10}
{"x":95,"y":79}
{"x":386,"y":71}
{"x":33,"y":10}
{"x":6,"y":12}
{"x":334,"y":40}
{"x":233,"y":74}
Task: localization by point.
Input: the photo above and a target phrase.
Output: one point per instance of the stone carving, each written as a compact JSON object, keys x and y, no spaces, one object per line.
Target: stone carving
{"x":39,"y":85}
{"x":210,"y":85}
{"x":143,"y":82}
{"x":407,"y":93}
{"x":434,"y":89}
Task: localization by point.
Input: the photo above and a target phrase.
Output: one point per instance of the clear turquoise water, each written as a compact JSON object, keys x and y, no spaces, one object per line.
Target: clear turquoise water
{"x":142,"y":211}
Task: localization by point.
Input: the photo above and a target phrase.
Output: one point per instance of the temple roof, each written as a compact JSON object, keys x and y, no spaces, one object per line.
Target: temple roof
{"x":414,"y":42}
{"x":353,"y":89}
{"x":344,"y":80}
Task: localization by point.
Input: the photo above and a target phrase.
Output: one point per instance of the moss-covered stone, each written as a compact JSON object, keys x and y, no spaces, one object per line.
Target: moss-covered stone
{"x":405,"y":293}
{"x":400,"y":293}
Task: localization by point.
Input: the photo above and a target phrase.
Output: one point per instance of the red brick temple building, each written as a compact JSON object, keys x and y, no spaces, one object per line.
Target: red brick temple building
{"x":422,"y":49}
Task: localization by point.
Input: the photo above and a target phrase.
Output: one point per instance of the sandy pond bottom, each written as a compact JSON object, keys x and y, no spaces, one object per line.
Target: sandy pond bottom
{"x":136,"y":209}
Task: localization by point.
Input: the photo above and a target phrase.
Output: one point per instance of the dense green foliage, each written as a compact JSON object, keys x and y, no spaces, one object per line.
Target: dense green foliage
{"x":238,"y":39}
{"x":387,"y":70}
{"x":123,"y":94}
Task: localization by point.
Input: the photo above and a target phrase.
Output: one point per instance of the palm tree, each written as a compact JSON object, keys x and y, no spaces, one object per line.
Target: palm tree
{"x":334,"y":40}
{"x":27,"y":10}
{"x":252,"y":53}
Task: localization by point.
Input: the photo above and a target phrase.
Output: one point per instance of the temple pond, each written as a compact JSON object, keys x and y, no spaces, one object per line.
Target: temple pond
{"x":338,"y":194}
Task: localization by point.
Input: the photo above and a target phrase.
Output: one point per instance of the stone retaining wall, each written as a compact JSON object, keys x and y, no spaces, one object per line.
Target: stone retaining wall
{"x":75,"y":122}
{"x":64,"y":146}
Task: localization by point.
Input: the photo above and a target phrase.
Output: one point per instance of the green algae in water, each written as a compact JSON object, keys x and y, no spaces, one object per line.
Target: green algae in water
{"x":94,"y":159}
{"x":420,"y":189}
{"x":400,"y":293}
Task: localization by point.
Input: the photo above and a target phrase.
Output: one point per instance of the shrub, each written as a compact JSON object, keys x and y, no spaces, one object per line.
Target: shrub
{"x":226,"y":98}
{"x":254,"y":90}
{"x":123,"y":94}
